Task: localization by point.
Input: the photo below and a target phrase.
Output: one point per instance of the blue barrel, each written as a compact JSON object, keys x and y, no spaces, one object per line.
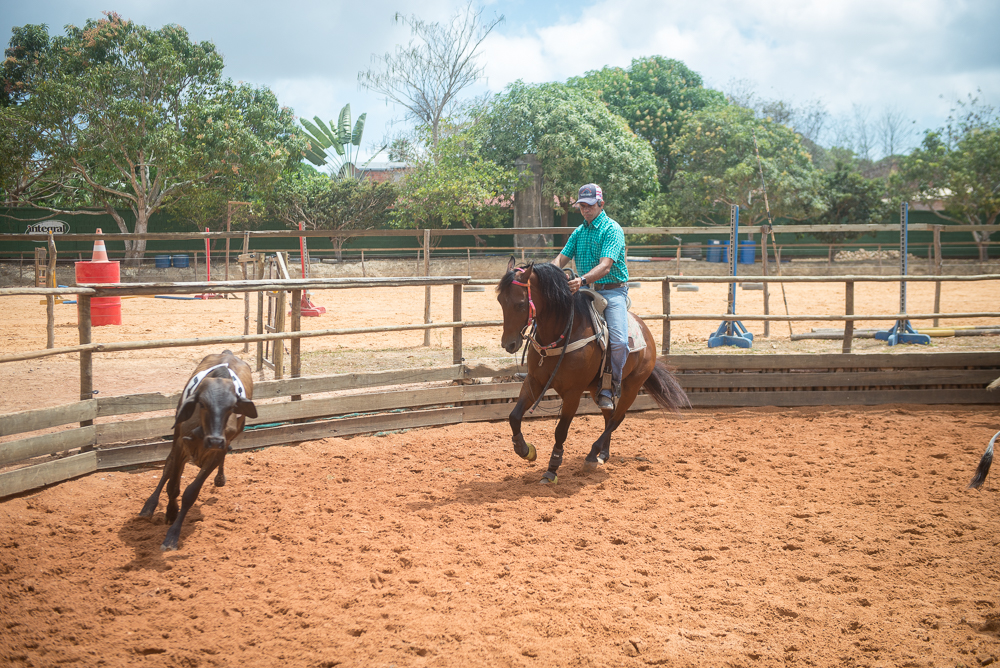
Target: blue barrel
{"x":181,"y":261}
{"x":162,"y":261}
{"x":748,"y":251}
{"x":714,"y":251}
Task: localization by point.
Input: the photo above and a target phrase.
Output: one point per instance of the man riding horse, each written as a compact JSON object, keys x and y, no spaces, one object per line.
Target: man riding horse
{"x":599,"y":249}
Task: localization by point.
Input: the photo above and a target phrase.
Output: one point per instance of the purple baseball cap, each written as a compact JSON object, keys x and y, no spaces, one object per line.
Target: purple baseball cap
{"x":590,"y":194}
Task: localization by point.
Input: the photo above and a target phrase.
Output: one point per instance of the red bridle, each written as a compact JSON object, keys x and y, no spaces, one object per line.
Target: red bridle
{"x":527,"y":331}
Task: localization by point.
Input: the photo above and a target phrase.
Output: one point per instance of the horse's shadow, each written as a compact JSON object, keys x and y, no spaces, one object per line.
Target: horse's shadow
{"x":573,"y":479}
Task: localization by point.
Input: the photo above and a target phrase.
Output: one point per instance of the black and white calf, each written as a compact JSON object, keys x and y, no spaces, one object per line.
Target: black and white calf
{"x":212,"y":411}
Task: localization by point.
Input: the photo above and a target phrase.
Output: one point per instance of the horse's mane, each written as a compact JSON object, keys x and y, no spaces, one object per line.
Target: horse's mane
{"x":553,"y":286}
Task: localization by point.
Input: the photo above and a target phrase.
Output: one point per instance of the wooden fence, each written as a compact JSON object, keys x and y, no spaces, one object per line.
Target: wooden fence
{"x":135,"y":437}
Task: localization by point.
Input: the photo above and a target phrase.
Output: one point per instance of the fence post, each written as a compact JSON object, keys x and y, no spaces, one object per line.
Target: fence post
{"x":427,"y":289}
{"x":456,"y":316}
{"x":848,"y":310}
{"x":938,"y":263}
{"x":764,"y":265}
{"x":665,"y":291}
{"x":296,"y":343}
{"x":86,"y":357}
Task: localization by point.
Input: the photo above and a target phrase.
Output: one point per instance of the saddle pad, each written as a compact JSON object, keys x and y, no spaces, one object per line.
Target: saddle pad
{"x":636,"y":341}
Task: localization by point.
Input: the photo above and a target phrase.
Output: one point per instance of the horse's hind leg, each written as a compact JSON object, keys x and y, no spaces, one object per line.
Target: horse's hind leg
{"x":600,"y":452}
{"x":570,"y":404}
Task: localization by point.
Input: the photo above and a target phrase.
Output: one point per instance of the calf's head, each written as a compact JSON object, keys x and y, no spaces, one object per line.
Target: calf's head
{"x":217,"y":398}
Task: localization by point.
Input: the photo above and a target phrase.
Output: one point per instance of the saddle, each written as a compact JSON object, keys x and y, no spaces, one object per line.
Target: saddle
{"x":597,"y":304}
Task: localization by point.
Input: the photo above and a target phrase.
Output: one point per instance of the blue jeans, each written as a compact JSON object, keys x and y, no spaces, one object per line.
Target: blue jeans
{"x":616,"y":315}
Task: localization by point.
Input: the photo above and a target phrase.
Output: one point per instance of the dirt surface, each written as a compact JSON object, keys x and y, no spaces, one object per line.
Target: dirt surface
{"x":767,"y":537}
{"x":813,"y":537}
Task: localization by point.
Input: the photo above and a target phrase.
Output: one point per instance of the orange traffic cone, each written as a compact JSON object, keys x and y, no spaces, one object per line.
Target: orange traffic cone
{"x":100,"y":250}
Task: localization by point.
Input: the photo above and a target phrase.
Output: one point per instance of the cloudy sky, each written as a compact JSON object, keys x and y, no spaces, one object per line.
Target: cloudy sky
{"x":914,"y":57}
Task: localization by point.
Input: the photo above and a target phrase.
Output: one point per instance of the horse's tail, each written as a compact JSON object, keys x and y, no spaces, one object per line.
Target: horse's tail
{"x":665,"y":390}
{"x":984,"y":465}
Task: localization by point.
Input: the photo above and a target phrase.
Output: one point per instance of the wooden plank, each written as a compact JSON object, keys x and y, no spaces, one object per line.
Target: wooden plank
{"x":133,"y":455}
{"x":295,"y":433}
{"x":46,"y":444}
{"x":346,"y":381}
{"x":978,"y":360}
{"x":124,"y":431}
{"x":384,"y":401}
{"x":48,"y":473}
{"x":44,"y":418}
{"x":841,"y":398}
{"x":137,"y":403}
{"x":841,"y":379}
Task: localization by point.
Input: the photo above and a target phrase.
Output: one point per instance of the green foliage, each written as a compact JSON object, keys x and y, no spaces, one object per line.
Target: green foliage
{"x":130,"y":117}
{"x":717,"y":167}
{"x":453,"y":184}
{"x":959,"y":167}
{"x":337,"y":136}
{"x":577,"y":141}
{"x":324,"y":203}
{"x":852,"y":199}
{"x":657,"y":97}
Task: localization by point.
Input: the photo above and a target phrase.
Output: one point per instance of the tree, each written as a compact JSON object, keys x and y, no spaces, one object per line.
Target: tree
{"x":576,"y":141}
{"x":717,"y":165}
{"x":656,"y":96}
{"x":426,"y":76}
{"x":453,"y":184}
{"x":134,"y":118}
{"x":959,"y":167}
{"x":325,"y":203}
{"x":851,"y":199}
{"x":339,"y":137}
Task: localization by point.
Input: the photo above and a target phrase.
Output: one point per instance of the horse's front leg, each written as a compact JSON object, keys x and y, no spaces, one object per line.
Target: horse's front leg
{"x":570,"y":404}
{"x":530,"y":389}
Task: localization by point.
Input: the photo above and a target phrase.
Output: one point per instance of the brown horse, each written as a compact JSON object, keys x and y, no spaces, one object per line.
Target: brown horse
{"x":538,"y":305}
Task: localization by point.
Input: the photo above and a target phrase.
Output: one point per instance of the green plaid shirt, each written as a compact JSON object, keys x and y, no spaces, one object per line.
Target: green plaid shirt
{"x":601,"y":238}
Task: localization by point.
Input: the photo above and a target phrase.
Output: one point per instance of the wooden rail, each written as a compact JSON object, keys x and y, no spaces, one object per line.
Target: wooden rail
{"x":393,"y":401}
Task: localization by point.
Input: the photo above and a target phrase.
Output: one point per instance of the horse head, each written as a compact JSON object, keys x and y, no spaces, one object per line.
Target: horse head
{"x":514,"y":295}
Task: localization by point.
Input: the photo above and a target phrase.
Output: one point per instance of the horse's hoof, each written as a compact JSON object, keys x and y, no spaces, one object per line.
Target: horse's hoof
{"x":532,"y":454}
{"x":592,"y":465}
{"x":548,"y":478}
{"x":603,"y":458}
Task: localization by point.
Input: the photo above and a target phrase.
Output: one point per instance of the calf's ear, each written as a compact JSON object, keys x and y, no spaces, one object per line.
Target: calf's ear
{"x":246,"y":407}
{"x":185,"y":411}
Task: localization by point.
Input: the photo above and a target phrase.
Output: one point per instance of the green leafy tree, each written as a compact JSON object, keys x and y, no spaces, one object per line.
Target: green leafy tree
{"x":325,"y":203}
{"x":851,"y":199}
{"x":338,"y":138}
{"x":577,"y":141}
{"x":717,"y":167}
{"x":657,"y":97}
{"x":958,"y":167}
{"x":453,"y":184}
{"x":134,"y":118}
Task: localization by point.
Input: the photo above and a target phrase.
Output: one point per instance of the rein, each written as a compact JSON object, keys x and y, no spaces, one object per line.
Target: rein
{"x":549,"y":348}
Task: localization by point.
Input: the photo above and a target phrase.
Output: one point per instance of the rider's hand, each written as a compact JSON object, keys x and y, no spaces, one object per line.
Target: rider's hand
{"x":575,"y":284}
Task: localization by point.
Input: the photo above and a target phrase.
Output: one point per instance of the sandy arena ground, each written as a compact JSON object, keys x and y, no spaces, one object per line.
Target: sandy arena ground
{"x":814,"y":536}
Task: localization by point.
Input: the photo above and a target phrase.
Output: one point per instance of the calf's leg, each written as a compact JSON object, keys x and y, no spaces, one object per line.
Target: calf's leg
{"x":190,"y":496}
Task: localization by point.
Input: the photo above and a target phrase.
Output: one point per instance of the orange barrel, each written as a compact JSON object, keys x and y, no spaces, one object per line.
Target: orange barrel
{"x":103,"y":310}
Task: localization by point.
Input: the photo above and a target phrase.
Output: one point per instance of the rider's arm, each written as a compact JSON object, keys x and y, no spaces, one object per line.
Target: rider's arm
{"x":560,"y":261}
{"x":600,"y":271}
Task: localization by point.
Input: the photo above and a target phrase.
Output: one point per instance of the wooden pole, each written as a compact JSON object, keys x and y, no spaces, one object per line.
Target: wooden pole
{"x":665,"y":292}
{"x":767,"y":295}
{"x":364,"y":273}
{"x":456,"y":316}
{"x":427,"y":289}
{"x":259,"y":262}
{"x":296,"y":345}
{"x":848,"y":310}
{"x":86,"y":358}
{"x":50,"y":300}
{"x":938,"y":263}
{"x":229,"y":228}
{"x":246,"y":295}
{"x":468,"y":256}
